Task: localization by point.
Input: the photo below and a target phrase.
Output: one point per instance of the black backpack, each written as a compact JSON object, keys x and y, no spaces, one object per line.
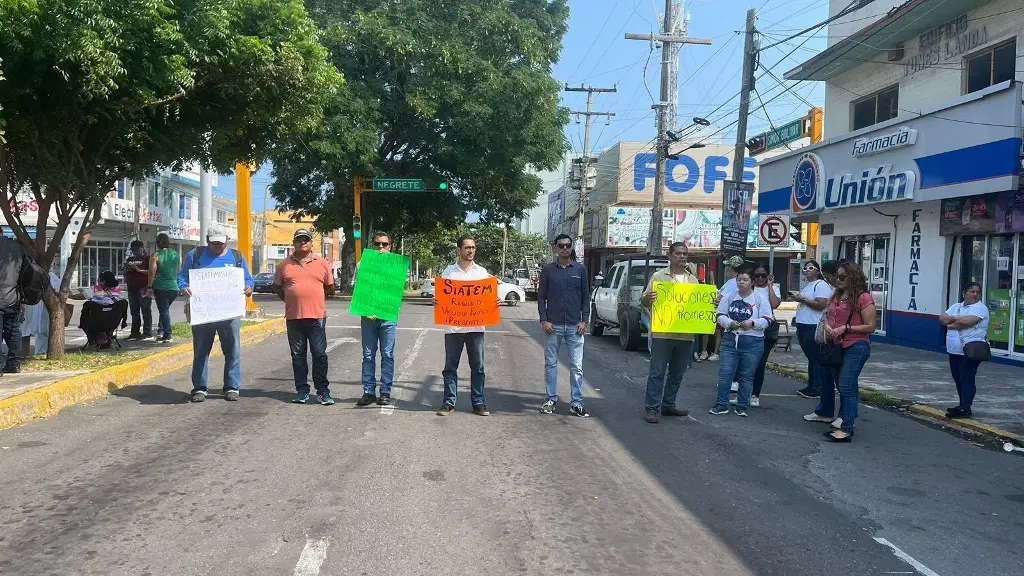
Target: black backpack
{"x":33,"y":281}
{"x":198,"y":253}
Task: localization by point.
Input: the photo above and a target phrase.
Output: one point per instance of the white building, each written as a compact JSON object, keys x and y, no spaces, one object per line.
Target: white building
{"x":536,"y":220}
{"x":918,"y":177}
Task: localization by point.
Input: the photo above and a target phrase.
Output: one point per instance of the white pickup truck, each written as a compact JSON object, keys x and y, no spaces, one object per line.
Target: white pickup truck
{"x":616,"y":301}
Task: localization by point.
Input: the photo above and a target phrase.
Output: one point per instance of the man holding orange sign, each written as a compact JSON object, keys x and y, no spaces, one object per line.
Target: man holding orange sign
{"x":466,"y":300}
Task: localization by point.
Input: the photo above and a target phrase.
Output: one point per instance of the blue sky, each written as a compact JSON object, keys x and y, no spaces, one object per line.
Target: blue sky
{"x":596,"y":53}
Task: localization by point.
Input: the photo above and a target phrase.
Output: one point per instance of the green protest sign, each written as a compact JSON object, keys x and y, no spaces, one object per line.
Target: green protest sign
{"x":380,"y":283}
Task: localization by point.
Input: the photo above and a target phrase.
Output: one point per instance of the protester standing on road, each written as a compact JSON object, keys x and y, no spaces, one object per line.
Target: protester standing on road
{"x":965,"y":322}
{"x":669,"y":350}
{"x":743,"y":315}
{"x":563,"y":301}
{"x":377,"y":332}
{"x":457,"y":338}
{"x":140,"y":298}
{"x":215,"y":255}
{"x":163,"y":281}
{"x":764,"y":285}
{"x":851,"y":319}
{"x":12,"y":259}
{"x":304,"y":280}
{"x":812,"y":299}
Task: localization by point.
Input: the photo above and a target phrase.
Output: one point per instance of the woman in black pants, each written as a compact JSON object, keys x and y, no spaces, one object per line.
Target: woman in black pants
{"x":813,"y":300}
{"x":765,"y":283}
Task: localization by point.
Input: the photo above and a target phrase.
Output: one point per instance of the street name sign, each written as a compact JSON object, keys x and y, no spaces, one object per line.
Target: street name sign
{"x":398,"y":185}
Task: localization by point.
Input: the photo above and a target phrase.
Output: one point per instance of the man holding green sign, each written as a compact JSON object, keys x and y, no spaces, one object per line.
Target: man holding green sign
{"x":377,"y":298}
{"x":679,"y":307}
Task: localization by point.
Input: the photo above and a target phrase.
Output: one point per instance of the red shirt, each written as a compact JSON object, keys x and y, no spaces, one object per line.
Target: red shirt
{"x":839,"y":314}
{"x":303,"y":284}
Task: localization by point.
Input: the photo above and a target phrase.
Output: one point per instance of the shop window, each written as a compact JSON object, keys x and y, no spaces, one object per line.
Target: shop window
{"x":879,"y":107}
{"x":222,"y":216}
{"x":153,"y":192}
{"x":992,"y":66}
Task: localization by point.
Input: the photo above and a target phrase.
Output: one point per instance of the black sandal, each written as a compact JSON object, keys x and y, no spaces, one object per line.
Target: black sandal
{"x":831,"y":435}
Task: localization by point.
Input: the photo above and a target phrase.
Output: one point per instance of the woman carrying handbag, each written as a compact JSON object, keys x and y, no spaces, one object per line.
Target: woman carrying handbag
{"x":967,"y":345}
{"x":848,"y":323}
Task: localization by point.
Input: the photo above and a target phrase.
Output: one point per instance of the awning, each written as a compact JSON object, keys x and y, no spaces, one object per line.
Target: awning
{"x":907,"y":22}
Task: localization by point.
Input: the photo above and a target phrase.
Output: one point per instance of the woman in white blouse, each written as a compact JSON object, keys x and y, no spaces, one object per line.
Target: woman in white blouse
{"x":965,"y":322}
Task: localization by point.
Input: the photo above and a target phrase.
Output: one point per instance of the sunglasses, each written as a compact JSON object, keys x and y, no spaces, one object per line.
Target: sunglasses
{"x":810,"y":269}
{"x":303,"y":240}
{"x":841,"y":276}
{"x":760,"y":275}
{"x":382,"y":244}
{"x":561,"y":245}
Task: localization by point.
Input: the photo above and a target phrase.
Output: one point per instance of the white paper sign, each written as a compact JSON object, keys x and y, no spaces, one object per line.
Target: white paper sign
{"x":217,"y":294}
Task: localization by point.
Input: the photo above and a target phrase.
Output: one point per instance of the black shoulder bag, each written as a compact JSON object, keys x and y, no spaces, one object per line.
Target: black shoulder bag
{"x":830,"y":353}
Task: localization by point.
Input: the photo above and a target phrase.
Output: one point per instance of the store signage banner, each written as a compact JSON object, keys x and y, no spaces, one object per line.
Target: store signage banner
{"x":684,"y":308}
{"x":217,"y":294}
{"x":1000,"y":213}
{"x":1010,"y":212}
{"x":628,"y":226}
{"x":739,"y":197}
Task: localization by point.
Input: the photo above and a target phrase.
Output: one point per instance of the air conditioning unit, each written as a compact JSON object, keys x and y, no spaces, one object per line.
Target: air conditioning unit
{"x":896,"y":54}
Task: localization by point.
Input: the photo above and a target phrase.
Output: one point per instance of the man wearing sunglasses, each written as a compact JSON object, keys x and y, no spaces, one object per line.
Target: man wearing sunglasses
{"x":563,"y":300}
{"x":304,"y":280}
{"x":378,"y":333}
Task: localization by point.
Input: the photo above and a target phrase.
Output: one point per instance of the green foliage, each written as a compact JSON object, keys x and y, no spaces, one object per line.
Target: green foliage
{"x":436,"y":248}
{"x":445,"y":90}
{"x":101,"y":90}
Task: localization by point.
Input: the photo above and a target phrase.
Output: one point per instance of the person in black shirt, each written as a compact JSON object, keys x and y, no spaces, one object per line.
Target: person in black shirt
{"x":140,"y":297}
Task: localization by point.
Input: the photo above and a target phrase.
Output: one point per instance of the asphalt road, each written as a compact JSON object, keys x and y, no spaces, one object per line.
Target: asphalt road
{"x":144,"y":483}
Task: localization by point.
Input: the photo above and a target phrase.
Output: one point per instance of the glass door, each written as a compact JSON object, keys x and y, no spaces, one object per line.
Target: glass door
{"x":999,"y":287}
{"x":872,"y":255}
{"x":1018,"y":317}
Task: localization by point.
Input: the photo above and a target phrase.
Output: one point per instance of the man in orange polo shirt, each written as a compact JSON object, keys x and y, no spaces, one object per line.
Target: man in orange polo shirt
{"x":303,"y":281}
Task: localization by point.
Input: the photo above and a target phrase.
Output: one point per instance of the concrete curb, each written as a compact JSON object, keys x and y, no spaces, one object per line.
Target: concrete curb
{"x":52,"y":398}
{"x":919,"y":409}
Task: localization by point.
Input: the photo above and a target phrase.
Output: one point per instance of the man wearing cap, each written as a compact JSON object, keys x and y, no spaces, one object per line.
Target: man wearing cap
{"x":303,"y":281}
{"x":215,"y":255}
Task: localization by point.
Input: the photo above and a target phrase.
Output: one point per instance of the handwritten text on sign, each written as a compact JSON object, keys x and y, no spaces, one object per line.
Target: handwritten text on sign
{"x":217,"y":294}
{"x":466,"y":303}
{"x":380,"y":282}
{"x":684,"y":308}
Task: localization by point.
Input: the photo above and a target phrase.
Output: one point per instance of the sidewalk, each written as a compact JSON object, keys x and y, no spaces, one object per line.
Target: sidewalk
{"x":923,"y":377}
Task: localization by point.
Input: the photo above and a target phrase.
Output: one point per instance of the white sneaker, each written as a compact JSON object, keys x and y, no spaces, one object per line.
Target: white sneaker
{"x":755,"y":402}
{"x":735,"y":387}
{"x":713,"y":358}
{"x":732,"y":401}
{"x":837,"y":423}
{"x":812,"y":417}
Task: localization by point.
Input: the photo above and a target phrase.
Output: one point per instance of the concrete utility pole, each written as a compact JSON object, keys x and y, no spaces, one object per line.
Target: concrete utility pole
{"x":585,"y":175}
{"x":206,"y":205}
{"x":667,"y":39}
{"x":749,"y":52}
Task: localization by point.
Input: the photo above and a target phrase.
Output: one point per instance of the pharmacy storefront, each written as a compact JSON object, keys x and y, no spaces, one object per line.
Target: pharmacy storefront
{"x":924,"y":204}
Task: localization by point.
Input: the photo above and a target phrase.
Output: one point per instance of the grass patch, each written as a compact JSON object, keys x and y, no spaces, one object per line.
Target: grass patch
{"x":83,"y":360}
{"x":883,"y":400}
{"x":183,"y":330}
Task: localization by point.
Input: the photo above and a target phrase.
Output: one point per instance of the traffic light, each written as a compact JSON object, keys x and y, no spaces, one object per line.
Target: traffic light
{"x":357,"y":227}
{"x":815,"y":121}
{"x":443,"y":186}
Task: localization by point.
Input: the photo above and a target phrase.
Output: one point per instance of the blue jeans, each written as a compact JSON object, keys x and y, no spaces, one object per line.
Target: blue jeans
{"x":12,"y":337}
{"x":805,"y":336}
{"x":739,"y":357}
{"x":646,"y":320}
{"x":473,"y":342}
{"x":673,"y":355}
{"x":376,"y":332}
{"x":846,"y":376}
{"x":312,"y":333}
{"x":964,"y":371}
{"x":164,"y":298}
{"x":140,"y":306}
{"x":552,"y":344}
{"x":230,"y":345}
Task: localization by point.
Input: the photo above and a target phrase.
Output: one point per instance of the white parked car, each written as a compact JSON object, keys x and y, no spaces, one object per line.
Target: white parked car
{"x":509,"y":293}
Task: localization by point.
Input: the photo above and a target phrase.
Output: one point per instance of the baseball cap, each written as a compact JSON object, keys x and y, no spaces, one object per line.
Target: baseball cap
{"x":302,"y":233}
{"x":215,"y":234}
{"x":734,"y":261}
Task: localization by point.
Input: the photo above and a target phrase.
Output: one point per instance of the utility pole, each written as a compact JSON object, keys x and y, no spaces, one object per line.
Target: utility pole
{"x":206,"y":205}
{"x":585,"y":174}
{"x":667,"y":39}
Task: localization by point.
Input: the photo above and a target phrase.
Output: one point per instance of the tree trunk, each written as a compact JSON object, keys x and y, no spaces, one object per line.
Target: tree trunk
{"x":55,"y":307}
{"x":348,"y":263}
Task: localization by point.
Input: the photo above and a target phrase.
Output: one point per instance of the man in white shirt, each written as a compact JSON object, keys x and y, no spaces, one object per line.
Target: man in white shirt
{"x":457,"y":338}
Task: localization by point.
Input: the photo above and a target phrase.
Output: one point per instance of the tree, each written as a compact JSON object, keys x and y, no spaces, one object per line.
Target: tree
{"x":101,"y":90}
{"x":446,"y":90}
{"x":436,"y":249}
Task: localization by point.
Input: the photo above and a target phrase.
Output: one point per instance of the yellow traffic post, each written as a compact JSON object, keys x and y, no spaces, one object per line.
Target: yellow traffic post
{"x":357,"y":215}
{"x":243,"y":189}
{"x":816,"y":131}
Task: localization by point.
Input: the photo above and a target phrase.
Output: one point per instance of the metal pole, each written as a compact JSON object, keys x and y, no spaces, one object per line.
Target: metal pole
{"x":657,"y":209}
{"x":206,"y":203}
{"x":137,"y":192}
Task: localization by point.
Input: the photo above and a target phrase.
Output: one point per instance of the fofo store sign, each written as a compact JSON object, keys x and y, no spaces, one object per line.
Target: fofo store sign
{"x":813,"y":190}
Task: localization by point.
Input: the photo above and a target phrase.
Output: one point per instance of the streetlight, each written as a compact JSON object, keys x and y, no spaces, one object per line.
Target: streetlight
{"x":690,"y":147}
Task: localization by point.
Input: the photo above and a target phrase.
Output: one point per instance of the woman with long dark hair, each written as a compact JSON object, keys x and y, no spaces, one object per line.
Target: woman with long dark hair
{"x":812,"y":299}
{"x":966,"y":322}
{"x":850,"y":321}
{"x":764,"y":284}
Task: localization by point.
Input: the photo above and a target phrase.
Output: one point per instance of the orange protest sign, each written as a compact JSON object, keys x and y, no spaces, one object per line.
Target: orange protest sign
{"x":466,"y":303}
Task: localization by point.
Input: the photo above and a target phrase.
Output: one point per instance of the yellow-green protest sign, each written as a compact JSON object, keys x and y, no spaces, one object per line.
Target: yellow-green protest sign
{"x":684,"y":308}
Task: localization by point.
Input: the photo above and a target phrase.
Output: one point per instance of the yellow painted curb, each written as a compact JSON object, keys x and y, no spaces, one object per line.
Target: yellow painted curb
{"x":52,"y":398}
{"x":919,"y":409}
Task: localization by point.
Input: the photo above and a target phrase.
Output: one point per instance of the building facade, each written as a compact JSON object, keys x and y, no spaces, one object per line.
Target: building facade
{"x":275,"y":231}
{"x":918,"y":178}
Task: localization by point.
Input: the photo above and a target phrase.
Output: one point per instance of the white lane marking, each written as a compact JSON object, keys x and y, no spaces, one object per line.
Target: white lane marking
{"x":427,"y":328}
{"x":921,"y":568}
{"x":339,"y":341}
{"x":312,"y":557}
{"x":403,"y":370}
